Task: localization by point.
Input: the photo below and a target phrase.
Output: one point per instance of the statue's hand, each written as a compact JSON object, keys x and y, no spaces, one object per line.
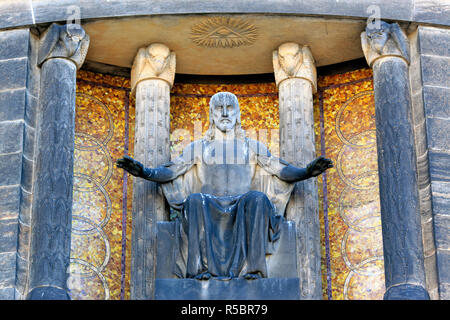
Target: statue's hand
{"x":130,"y":165}
{"x":318,"y":166}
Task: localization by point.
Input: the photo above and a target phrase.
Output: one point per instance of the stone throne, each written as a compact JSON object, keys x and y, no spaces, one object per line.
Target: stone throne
{"x":294,"y":268}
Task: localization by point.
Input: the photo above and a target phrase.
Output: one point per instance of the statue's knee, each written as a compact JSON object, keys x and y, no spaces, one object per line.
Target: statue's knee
{"x":194,"y":198}
{"x":258,"y":196}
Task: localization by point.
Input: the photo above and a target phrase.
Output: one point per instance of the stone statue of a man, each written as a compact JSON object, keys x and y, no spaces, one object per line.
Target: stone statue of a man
{"x":231,"y":193}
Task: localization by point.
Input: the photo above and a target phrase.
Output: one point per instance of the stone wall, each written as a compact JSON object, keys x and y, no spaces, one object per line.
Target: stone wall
{"x":19,"y":88}
{"x":431,"y":89}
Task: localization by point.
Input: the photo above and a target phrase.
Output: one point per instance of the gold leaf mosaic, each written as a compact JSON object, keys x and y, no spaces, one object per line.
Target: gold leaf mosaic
{"x":98,"y":269}
{"x":355,"y":241}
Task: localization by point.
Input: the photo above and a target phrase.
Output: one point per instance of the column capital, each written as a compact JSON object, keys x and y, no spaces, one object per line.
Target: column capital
{"x":153,"y":62}
{"x":381,"y":40}
{"x":291,"y":60}
{"x":68,"y":41}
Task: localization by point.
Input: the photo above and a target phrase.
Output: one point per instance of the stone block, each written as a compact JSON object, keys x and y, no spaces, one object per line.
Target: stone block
{"x":441,"y":193}
{"x":21,"y":275}
{"x":443,"y":263}
{"x":436,"y":102}
{"x":438,"y":133}
{"x":395,"y":9}
{"x":15,"y":13}
{"x":28,"y":143}
{"x":10,"y":169}
{"x":14,"y":43}
{"x":9,"y":202}
{"x":11,"y":136}
{"x":12,"y":105}
{"x":27,"y":174}
{"x":25,"y":207}
{"x":13,"y":73}
{"x":7,"y":293}
{"x":435,"y":71}
{"x":235,"y":289}
{"x":281,"y":264}
{"x":24,"y":240}
{"x":442,"y":231}
{"x":431,"y":11}
{"x":432,"y":40}
{"x":439,"y":164}
{"x":7,"y":269}
{"x":31,"y":108}
{"x":8,"y":235}
{"x":444,"y":291}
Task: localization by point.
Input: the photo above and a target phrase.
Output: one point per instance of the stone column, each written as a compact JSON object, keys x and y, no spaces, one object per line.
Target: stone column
{"x":295,"y":75}
{"x":386,"y":49}
{"x":152,"y":76}
{"x":62,"y":51}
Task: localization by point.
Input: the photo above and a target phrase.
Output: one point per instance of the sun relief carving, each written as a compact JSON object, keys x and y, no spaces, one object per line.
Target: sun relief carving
{"x":225,"y":32}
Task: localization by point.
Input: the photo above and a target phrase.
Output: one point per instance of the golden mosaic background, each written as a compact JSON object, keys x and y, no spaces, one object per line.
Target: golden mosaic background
{"x":353,"y":205}
{"x":356,"y":251}
{"x":96,"y":252}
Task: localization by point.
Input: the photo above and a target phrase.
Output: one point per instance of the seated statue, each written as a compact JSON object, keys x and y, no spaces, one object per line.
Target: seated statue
{"x":231,"y":194}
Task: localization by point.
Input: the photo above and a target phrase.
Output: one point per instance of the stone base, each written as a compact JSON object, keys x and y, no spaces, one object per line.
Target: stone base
{"x":235,"y":289}
{"x":48,"y":293}
{"x":281,"y":264}
{"x":406,"y":292}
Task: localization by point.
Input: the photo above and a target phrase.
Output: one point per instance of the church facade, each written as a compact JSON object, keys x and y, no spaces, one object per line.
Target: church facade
{"x":365,"y":83}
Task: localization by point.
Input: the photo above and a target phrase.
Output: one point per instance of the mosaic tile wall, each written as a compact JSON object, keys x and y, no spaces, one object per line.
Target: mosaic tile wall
{"x":352,"y":252}
{"x":100,"y":259}
{"x":351,"y":236}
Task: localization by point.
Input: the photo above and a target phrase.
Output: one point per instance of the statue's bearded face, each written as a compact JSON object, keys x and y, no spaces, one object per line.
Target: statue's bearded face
{"x":224,"y":111}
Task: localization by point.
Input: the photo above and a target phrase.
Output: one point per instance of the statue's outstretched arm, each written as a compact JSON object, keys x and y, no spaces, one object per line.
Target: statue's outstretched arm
{"x":291,"y":173}
{"x":285,"y":171}
{"x":160,"y":174}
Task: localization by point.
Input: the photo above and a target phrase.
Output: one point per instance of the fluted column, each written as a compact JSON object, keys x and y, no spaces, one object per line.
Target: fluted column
{"x":295,"y":75}
{"x":386,"y":49}
{"x":152,"y":76}
{"x":62,"y":51}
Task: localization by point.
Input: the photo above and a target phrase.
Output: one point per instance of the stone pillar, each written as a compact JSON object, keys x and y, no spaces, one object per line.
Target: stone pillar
{"x":386,"y":49}
{"x":295,"y":75}
{"x":152,"y":76}
{"x":62,"y":51}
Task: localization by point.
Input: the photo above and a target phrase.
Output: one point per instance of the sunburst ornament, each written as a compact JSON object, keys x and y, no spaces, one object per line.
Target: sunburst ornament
{"x":225,"y":32}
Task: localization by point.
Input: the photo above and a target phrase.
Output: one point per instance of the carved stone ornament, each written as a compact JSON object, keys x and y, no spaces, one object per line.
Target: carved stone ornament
{"x":384,"y":40}
{"x":153,"y":62}
{"x":223,"y":32}
{"x":68,"y":41}
{"x":291,"y":60}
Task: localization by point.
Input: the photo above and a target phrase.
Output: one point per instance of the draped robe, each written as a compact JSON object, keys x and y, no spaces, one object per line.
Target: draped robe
{"x":231,"y":204}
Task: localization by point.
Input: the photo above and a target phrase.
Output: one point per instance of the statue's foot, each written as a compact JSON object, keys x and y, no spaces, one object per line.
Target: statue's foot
{"x":252,"y":276}
{"x":203,"y":276}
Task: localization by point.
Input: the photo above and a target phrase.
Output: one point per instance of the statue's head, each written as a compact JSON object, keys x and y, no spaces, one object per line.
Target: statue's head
{"x":224,"y":114}
{"x":158,"y":54}
{"x":289,"y":57}
{"x":378,"y":35}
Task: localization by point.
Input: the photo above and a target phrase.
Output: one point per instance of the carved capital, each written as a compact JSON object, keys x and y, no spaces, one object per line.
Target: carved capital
{"x":68,"y":41}
{"x":382,"y":39}
{"x":153,"y":62}
{"x":291,"y":60}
